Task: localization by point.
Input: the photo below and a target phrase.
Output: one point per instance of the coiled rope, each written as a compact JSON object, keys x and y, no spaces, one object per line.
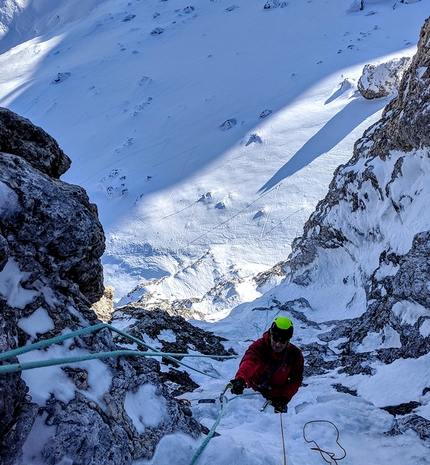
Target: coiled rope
{"x":331,"y":455}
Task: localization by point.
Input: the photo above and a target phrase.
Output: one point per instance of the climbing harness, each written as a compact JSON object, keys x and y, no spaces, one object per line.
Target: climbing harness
{"x":331,"y":455}
{"x":115,"y":353}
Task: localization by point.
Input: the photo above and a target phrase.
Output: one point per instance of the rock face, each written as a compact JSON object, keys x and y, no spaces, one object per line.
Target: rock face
{"x":20,"y":137}
{"x":373,"y":225}
{"x":171,"y":334}
{"x":105,"y":306}
{"x":51,"y":242}
{"x":48,"y":259}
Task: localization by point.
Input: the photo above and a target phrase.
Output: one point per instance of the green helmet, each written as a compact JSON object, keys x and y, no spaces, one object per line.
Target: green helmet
{"x":283,"y":328}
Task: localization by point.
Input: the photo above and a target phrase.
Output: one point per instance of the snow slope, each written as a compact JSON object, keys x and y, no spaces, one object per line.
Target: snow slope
{"x":185,"y":204}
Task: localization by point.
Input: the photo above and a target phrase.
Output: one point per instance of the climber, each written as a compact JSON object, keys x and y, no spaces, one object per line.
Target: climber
{"x":272,"y":366}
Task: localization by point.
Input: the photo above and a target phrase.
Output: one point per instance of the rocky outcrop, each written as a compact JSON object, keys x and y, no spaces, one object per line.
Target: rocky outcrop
{"x":105,"y":306}
{"x":382,"y":79}
{"x":389,"y":164}
{"x":405,"y":120}
{"x":373,"y":228}
{"x":18,"y":136}
{"x":51,"y":243}
{"x":170,"y":333}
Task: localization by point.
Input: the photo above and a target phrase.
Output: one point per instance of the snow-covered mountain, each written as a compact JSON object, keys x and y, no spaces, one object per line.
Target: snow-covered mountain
{"x":188,"y":201}
{"x":207,"y":135}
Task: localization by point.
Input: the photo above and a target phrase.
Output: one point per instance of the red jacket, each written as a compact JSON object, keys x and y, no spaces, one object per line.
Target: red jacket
{"x":273,"y":374}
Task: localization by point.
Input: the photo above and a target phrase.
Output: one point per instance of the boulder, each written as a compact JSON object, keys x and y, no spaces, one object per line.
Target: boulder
{"x":382,"y":79}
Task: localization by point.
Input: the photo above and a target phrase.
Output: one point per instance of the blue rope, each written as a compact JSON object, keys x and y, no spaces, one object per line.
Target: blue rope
{"x":60,"y":361}
{"x":211,"y":432}
{"x":48,"y":342}
{"x":224,"y":401}
{"x":80,"y":358}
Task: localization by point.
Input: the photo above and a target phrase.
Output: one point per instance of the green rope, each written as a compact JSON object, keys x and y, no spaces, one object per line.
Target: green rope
{"x":210,"y":434}
{"x":48,"y":342}
{"x":60,"y":361}
{"x":80,"y":358}
{"x":224,"y":402}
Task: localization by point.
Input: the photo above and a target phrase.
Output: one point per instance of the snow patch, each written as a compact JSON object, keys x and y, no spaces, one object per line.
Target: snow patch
{"x":385,"y":339}
{"x":425,"y":328}
{"x":167,"y":335}
{"x":145,"y":407}
{"x":10,"y":285}
{"x":39,"y":322}
{"x":409,"y":312}
{"x":44,"y":381}
{"x":391,"y":384}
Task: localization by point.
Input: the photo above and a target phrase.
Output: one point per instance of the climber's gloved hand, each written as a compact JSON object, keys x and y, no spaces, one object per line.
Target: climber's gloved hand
{"x":237,"y":386}
{"x":280,"y":404}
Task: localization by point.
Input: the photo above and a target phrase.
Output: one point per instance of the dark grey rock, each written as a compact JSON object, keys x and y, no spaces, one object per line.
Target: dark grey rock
{"x":18,"y":136}
{"x":415,"y":423}
{"x":402,"y":409}
{"x":51,"y":240}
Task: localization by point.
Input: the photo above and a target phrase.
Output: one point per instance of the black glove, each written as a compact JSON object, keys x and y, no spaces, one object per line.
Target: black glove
{"x":237,"y":386}
{"x":280,"y":404}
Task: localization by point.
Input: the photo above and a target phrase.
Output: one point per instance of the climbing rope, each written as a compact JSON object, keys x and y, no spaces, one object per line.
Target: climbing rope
{"x":81,"y":358}
{"x":224,"y":401}
{"x":283,"y":440}
{"x":210,"y":434}
{"x":269,"y":402}
{"x":331,"y":455}
{"x":152,"y":352}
